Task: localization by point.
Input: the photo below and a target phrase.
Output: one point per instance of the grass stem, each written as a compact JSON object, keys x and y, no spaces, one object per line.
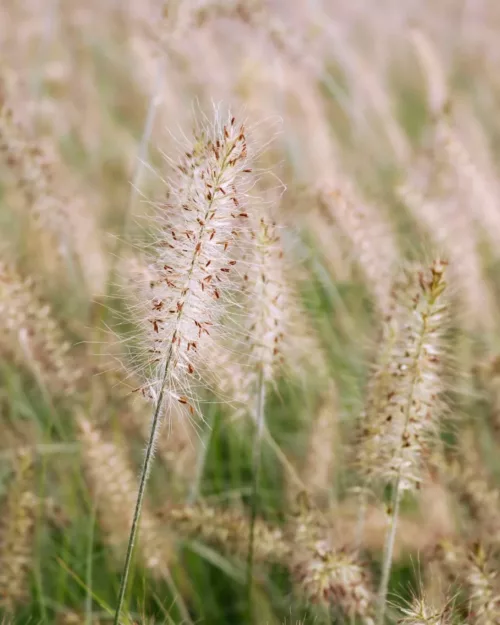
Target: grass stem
{"x":388,"y":553}
{"x":148,"y":458}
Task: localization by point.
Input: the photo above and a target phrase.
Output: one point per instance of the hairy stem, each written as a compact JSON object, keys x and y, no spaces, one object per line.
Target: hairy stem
{"x":148,"y":458}
{"x":256,"y":463}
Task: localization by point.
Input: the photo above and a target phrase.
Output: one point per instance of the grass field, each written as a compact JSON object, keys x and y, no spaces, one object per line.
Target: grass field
{"x":249,"y":269}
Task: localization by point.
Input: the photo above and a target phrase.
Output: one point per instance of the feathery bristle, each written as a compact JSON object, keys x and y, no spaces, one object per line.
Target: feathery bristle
{"x":477,"y":194}
{"x":332,"y":246}
{"x":17,"y":527}
{"x":177,"y":446}
{"x":437,"y":89}
{"x":230,"y":379}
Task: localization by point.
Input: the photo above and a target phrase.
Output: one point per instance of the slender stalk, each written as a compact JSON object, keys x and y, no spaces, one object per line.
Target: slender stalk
{"x":388,"y":551}
{"x":148,"y":458}
{"x":256,"y":464}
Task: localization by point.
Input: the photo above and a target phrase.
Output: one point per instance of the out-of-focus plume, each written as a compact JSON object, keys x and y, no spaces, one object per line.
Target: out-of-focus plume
{"x":31,"y":335}
{"x":17,"y":527}
{"x":327,"y":574}
{"x":403,"y":404}
{"x":371,"y":239}
{"x":228,"y":528}
{"x":57,"y":207}
{"x":113,"y":485}
{"x":475,"y":569}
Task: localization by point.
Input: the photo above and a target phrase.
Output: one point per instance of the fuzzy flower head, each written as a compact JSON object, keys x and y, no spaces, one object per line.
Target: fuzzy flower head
{"x":192,"y":262}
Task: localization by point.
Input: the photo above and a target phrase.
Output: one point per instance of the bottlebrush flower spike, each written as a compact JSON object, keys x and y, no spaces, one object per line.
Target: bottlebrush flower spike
{"x":269,"y":304}
{"x":409,"y":418}
{"x":408,"y":395}
{"x":194,"y":258}
{"x":199,"y":236}
{"x":326,"y":573}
